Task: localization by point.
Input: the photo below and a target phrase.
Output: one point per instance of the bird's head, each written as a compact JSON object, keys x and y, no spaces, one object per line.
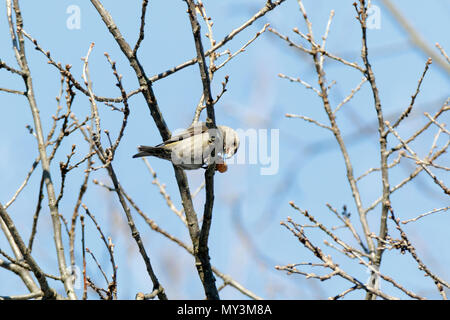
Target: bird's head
{"x":230,"y":141}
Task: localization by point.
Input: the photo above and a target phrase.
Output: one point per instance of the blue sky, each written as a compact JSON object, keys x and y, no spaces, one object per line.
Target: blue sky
{"x":246,"y":239}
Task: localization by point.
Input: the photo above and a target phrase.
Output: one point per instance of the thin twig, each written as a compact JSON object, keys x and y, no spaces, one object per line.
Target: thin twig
{"x":163,"y":192}
{"x":152,"y":224}
{"x":385,"y":202}
{"x":141,"y":29}
{"x":106,"y":158}
{"x":269,"y":6}
{"x":425,"y":214}
{"x":112,"y":286}
{"x":413,"y":97}
{"x":32,"y":295}
{"x":443,"y":52}
{"x":66,"y":277}
{"x":350,"y":96}
{"x":242,"y":49}
{"x":200,"y":240}
{"x":418,"y":161}
{"x":305,"y":84}
{"x":288,"y":115}
{"x":330,"y":264}
{"x":409,"y":247}
{"x":24,"y":183}
{"x":12,"y":91}
{"x":49,"y":293}
{"x":415,"y":37}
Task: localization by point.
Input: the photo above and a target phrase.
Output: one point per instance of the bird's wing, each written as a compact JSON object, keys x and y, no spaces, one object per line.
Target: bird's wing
{"x":189,"y":132}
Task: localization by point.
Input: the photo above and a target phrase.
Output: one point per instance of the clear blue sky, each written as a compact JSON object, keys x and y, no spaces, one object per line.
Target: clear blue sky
{"x":246,"y":239}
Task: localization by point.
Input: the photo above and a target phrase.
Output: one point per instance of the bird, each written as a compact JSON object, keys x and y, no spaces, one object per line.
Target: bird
{"x":196,"y":147}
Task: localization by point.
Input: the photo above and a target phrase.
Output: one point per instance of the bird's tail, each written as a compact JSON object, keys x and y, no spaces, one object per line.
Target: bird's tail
{"x":159,"y":152}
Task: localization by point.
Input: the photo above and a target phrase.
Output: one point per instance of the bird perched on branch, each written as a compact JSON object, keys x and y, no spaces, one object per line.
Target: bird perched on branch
{"x":196,"y":147}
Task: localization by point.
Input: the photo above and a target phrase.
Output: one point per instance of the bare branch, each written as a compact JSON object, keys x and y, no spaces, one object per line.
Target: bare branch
{"x":418,"y":161}
{"x":409,"y":247}
{"x":351,"y":95}
{"x":443,"y":52}
{"x":242,"y":49}
{"x":269,"y":6}
{"x":22,"y":61}
{"x":152,"y":224}
{"x":413,"y":97}
{"x":112,"y":286}
{"x":49,"y":293}
{"x":330,"y":264}
{"x":415,"y":37}
{"x":33,"y":295}
{"x":425,"y":214}
{"x":24,"y":183}
{"x":309,"y":120}
{"x":106,"y":158}
{"x":141,"y":29}
{"x":201,"y":244}
{"x":13,"y":91}
{"x":163,"y":192}
{"x":307,"y":85}
{"x":3,"y":65}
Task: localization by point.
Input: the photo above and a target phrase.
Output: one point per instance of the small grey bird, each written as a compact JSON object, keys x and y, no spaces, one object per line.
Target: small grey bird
{"x":193,"y":147}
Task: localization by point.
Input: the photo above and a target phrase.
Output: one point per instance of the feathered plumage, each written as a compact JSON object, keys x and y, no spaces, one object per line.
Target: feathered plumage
{"x":193,"y":147}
